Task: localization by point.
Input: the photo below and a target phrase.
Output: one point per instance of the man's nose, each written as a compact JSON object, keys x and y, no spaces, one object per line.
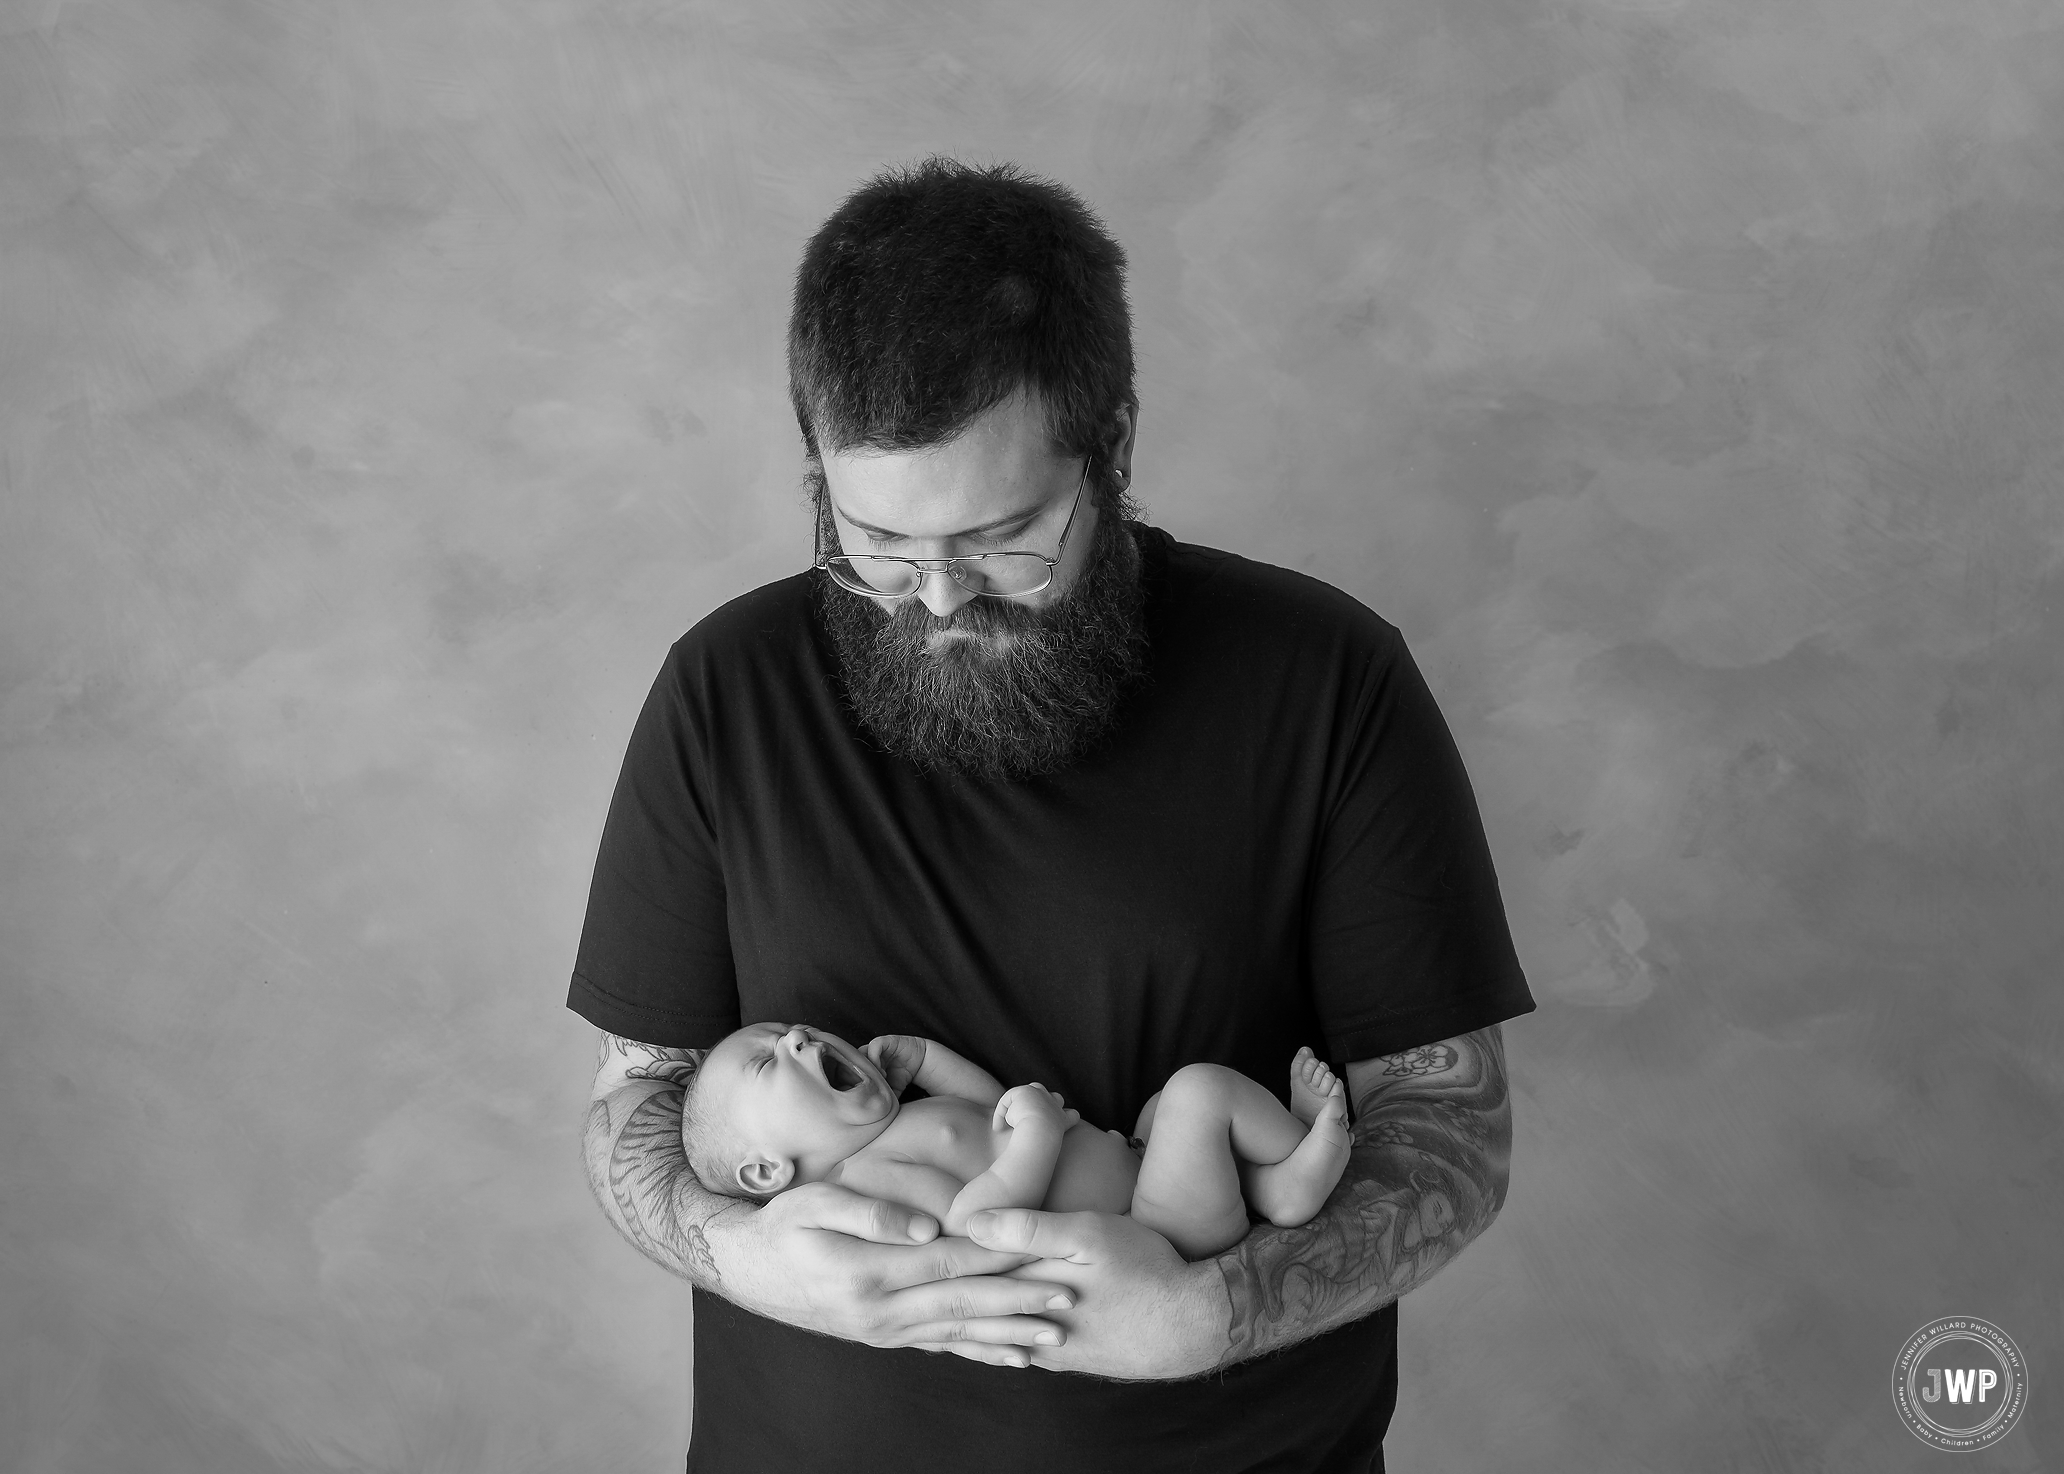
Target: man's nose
{"x":942,"y":593}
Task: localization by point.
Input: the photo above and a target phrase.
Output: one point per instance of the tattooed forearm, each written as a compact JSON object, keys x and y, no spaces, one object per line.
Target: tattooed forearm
{"x":637,"y":1164}
{"x":1433,"y":1137}
{"x":634,"y":1061}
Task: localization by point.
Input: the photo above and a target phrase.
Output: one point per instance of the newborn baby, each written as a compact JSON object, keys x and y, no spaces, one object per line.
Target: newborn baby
{"x":775,"y":1105}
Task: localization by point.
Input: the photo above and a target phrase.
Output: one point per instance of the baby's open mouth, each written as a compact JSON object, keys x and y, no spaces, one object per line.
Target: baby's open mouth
{"x":838,"y":1074}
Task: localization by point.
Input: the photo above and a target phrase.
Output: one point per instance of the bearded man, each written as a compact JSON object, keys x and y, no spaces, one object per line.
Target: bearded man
{"x":1010,"y":769}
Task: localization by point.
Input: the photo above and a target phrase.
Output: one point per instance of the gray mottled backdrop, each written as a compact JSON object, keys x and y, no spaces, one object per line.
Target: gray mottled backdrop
{"x":384,"y":385}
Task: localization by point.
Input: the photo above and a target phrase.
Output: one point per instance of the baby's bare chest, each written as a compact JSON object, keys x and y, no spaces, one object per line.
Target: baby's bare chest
{"x":952,"y":1135}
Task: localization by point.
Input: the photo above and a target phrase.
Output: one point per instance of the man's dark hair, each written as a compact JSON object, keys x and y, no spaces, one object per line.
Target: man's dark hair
{"x":937,"y":291}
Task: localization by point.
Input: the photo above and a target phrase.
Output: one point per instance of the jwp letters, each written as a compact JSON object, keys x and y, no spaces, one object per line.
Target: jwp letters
{"x":1960,"y":1382}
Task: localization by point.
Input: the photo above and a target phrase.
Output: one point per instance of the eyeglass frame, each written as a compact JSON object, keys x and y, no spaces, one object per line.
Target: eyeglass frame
{"x":950,"y":566}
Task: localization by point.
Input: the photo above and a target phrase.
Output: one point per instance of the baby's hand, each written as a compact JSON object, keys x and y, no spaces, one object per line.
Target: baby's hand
{"x":1023,"y":1103}
{"x":898,"y":1056}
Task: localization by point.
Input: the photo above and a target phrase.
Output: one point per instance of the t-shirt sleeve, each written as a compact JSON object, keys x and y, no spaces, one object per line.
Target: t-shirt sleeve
{"x":655,"y":952}
{"x":1408,"y":933}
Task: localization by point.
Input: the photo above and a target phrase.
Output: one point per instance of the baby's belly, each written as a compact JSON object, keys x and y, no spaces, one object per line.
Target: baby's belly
{"x":1095,"y":1173}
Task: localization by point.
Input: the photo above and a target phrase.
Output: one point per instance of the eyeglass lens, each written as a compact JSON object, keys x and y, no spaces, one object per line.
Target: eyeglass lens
{"x":1001,"y":574}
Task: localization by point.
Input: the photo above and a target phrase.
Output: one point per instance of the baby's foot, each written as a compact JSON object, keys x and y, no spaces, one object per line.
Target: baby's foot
{"x":1293,"y":1190}
{"x":1311,"y":1085}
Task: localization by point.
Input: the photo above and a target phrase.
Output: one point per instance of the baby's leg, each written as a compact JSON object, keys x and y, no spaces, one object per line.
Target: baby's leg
{"x":1293,"y":1190}
{"x":1207,"y":1120}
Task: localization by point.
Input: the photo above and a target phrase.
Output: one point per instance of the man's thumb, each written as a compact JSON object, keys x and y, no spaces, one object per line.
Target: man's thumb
{"x":1011,"y":1230}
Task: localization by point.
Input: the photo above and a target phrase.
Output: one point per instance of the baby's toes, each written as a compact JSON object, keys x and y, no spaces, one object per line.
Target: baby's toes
{"x":1335,"y":1107}
{"x":1309,"y":1079}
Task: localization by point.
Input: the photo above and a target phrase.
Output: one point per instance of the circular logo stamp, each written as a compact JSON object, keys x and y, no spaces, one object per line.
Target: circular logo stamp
{"x":1960,"y":1383}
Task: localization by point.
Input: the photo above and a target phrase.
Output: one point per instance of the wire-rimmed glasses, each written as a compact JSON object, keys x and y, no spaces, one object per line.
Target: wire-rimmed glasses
{"x":996,"y":575}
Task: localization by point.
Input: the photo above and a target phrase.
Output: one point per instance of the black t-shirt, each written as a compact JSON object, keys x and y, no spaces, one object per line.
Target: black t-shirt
{"x":1278,"y":846}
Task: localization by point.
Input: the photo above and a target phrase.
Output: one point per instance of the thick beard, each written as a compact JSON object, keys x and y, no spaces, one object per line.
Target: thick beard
{"x":1024,"y":692}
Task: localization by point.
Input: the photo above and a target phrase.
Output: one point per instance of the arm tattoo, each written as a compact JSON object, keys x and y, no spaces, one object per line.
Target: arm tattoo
{"x":1433,"y":1136}
{"x":1427,"y":1059}
{"x":638,"y":1166}
{"x":649,"y":1062}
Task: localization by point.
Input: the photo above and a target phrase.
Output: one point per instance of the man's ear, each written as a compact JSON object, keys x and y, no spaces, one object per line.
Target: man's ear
{"x":765,"y":1175}
{"x":1124,"y":429}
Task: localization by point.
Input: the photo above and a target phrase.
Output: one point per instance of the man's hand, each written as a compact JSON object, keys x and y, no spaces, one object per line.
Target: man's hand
{"x":827,"y":1259}
{"x":1142,"y":1312}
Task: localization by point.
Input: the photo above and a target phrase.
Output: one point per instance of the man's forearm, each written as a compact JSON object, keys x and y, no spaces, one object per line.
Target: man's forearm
{"x":638,"y":1167}
{"x":1433,"y":1137}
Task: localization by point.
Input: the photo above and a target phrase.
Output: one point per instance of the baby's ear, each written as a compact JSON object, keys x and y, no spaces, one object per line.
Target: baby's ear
{"x":765,"y":1174}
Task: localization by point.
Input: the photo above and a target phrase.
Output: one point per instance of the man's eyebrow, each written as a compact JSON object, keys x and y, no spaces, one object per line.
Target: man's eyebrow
{"x":882,"y":532}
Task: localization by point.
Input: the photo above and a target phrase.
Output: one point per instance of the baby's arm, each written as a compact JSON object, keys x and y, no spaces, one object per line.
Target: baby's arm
{"x":937,"y":1070}
{"x":1019,"y":1177}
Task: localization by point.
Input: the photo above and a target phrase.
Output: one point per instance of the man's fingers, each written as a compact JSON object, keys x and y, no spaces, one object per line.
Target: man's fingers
{"x":944,"y":1259}
{"x":973,"y":1301}
{"x":844,"y":1211}
{"x":996,"y":1356}
{"x":1028,"y":1231}
{"x":1017,"y":1331}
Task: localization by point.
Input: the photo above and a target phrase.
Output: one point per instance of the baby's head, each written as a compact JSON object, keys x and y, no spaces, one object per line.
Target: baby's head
{"x":775,"y":1105}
